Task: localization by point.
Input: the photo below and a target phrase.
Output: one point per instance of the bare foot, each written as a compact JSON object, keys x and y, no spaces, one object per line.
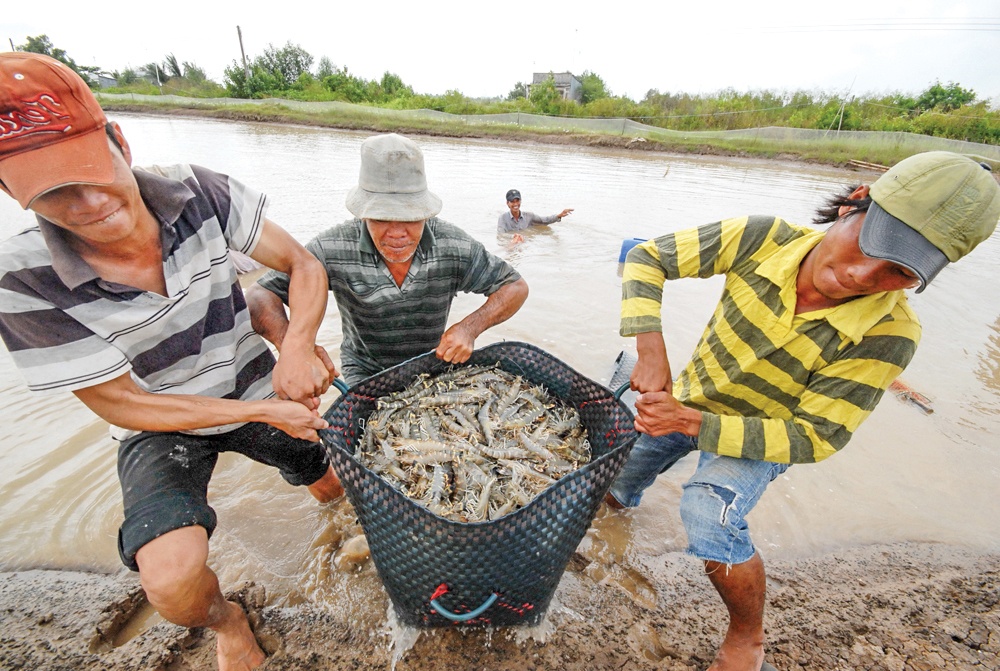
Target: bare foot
{"x":739,"y":655}
{"x":327,"y":488}
{"x":236,"y":646}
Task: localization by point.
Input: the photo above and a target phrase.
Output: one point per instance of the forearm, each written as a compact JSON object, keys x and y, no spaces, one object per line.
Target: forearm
{"x":537,"y":220}
{"x":499,"y":307}
{"x":123,"y":403}
{"x":307,"y":298}
{"x":138,"y":410}
{"x":267,"y":314}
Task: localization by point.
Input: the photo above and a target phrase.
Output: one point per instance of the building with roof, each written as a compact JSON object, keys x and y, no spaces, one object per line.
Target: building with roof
{"x":566,"y":84}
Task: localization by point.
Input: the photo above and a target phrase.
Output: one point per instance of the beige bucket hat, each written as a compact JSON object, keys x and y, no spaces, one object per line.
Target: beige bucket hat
{"x":393,"y":184}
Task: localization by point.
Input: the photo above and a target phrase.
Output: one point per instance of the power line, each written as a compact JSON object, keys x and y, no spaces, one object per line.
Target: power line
{"x":980,"y":25}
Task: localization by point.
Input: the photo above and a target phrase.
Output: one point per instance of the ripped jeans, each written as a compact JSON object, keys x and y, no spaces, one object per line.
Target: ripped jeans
{"x":716,"y":500}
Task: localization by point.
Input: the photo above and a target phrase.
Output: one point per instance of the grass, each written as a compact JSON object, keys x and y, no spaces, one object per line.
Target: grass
{"x":880,"y":148}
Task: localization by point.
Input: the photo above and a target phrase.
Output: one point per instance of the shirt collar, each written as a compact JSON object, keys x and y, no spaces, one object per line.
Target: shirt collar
{"x":854,"y":318}
{"x":165,"y":198}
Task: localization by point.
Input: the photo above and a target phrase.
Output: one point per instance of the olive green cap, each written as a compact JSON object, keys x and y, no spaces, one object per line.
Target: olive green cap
{"x":930,"y":209}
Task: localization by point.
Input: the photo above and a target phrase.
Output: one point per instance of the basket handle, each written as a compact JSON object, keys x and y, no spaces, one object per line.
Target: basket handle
{"x":459,"y":617}
{"x":340,"y":385}
{"x":621,"y":390}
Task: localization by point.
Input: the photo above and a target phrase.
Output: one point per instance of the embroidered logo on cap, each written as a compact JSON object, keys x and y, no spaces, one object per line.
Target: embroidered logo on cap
{"x":42,"y":114}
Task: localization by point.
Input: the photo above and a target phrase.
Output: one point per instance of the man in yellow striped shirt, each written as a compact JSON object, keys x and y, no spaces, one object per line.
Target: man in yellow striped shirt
{"x":811,"y":329}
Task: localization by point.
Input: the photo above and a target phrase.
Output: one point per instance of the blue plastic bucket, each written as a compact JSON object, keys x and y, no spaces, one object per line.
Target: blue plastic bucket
{"x":628,"y":244}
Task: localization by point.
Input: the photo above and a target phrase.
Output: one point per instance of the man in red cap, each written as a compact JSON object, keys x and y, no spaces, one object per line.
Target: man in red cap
{"x":125,"y":294}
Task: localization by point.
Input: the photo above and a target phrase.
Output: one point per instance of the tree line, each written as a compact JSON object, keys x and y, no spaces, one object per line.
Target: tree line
{"x":944,"y":110}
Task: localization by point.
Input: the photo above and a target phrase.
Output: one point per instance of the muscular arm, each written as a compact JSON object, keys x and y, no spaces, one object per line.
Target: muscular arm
{"x":267,"y":314}
{"x":122,"y":403}
{"x":300,"y":374}
{"x":458,"y":341}
{"x":657,"y":411}
{"x":270,"y":321}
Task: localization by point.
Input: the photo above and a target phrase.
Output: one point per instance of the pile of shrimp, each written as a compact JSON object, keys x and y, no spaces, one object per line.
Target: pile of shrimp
{"x":474,"y":443}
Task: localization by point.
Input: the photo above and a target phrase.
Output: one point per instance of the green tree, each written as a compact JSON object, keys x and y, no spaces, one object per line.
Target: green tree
{"x":285,"y":64}
{"x":945,"y":98}
{"x":172,"y":67}
{"x":126,"y":77}
{"x":593,"y":87}
{"x":256,"y":85}
{"x":544,"y":96}
{"x":193,"y":73}
{"x":325,"y":68}
{"x":346,"y":86}
{"x":520,"y":90}
{"x":393,"y":87}
{"x":155,"y":73}
{"x":41,"y":44}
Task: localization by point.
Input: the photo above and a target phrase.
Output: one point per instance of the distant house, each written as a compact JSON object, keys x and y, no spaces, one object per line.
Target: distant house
{"x":567,"y":84}
{"x":105,"y":81}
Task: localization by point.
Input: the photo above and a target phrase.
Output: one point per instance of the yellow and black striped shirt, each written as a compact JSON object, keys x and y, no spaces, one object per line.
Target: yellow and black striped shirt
{"x":772,"y":385}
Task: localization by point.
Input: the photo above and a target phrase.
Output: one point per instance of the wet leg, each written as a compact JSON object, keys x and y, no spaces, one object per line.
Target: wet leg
{"x":179,"y":584}
{"x":742,"y":588}
{"x":327,"y":488}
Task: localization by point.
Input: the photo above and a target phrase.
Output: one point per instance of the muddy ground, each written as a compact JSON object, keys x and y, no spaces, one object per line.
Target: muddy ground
{"x":892,"y":607}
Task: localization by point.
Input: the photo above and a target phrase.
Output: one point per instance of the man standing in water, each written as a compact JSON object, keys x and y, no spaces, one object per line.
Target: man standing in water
{"x":395,"y":269}
{"x":125,"y":294}
{"x":515,"y":220}
{"x":811,"y":329}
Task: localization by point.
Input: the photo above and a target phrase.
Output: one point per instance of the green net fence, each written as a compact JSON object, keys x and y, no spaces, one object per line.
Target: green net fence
{"x":776,"y":136}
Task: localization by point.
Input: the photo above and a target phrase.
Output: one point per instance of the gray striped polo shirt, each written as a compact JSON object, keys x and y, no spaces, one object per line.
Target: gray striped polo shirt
{"x":68,"y":329}
{"x":384,"y":324}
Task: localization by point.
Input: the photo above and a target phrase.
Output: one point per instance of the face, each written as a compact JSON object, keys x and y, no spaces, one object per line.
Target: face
{"x":396,"y":241}
{"x":96,"y":213}
{"x":841,"y":271}
{"x":515,"y":207}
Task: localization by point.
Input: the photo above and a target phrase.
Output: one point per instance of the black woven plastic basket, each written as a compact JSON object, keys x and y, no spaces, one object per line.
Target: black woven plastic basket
{"x":502,"y":572}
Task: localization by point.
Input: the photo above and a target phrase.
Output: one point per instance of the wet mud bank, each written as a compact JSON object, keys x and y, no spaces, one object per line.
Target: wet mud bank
{"x":894,"y":607}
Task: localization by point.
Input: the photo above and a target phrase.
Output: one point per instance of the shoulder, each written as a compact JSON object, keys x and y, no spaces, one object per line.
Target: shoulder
{"x":24,"y":251}
{"x":201,"y":181}
{"x":183,"y":172}
{"x":448,"y":233}
{"x":904,"y":319}
{"x":338,"y":243}
{"x":769,"y":227}
{"x":349,"y":229}
{"x":763,"y":234}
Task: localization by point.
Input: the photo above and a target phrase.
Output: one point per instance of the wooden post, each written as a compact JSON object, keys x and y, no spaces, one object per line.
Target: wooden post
{"x":246,"y":70}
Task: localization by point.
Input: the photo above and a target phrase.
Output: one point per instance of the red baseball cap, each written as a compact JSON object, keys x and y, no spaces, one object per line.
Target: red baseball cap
{"x":51,"y":128}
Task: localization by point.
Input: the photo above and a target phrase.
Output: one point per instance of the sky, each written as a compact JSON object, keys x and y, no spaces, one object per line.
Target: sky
{"x":484,"y":50}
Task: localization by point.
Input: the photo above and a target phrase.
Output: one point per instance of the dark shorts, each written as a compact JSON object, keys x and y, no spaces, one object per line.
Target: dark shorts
{"x":164,"y":477}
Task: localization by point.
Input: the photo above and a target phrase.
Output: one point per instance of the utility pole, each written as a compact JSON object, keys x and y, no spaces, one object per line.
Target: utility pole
{"x":11,"y":44}
{"x":246,"y":70}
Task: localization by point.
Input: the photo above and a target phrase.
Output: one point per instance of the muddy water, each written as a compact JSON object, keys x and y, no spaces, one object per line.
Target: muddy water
{"x":905,"y":476}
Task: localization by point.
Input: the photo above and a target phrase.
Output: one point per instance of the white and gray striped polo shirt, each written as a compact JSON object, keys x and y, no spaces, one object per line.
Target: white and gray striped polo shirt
{"x":68,"y":329}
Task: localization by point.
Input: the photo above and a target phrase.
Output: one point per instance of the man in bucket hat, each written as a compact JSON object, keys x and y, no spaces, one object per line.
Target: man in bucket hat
{"x":811,"y":329}
{"x":395,"y":269}
{"x":125,"y":295}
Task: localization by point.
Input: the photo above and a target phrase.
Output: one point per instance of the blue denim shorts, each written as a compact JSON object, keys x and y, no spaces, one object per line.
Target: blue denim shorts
{"x":716,"y":500}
